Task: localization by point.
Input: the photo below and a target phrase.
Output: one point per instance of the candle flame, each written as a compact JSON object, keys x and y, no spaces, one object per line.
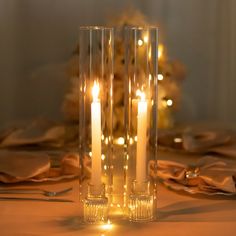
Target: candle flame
{"x":95,"y":91}
{"x":140,"y":94}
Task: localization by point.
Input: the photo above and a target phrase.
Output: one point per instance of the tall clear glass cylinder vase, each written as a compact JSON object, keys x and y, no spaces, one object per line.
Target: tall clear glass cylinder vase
{"x":95,"y":119}
{"x":140,"y":148}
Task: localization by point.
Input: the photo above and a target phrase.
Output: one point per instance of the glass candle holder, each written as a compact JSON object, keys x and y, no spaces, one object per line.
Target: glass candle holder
{"x":141,"y":202}
{"x":95,"y":115}
{"x":96,"y":205}
{"x":141,"y":64}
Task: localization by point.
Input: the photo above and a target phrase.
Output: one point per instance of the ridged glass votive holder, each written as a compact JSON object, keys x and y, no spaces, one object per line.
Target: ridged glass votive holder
{"x":96,"y":205}
{"x":141,"y":202}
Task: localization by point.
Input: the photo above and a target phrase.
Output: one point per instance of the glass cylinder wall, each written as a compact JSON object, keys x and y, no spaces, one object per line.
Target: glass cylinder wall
{"x":141,"y":65}
{"x":96,"y":101}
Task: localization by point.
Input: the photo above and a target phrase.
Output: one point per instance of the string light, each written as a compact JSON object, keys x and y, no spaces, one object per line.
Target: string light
{"x":120,"y":141}
{"x":131,"y":141}
{"x":103,"y":157}
{"x":178,"y":140}
{"x":106,"y":141}
{"x":160,"y":77}
{"x":140,"y":42}
{"x":169,"y":102}
{"x":150,"y":77}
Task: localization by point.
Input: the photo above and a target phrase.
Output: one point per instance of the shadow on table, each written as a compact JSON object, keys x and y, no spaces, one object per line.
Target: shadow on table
{"x":189,"y":211}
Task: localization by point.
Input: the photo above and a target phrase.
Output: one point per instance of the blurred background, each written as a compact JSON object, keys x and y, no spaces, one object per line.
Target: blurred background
{"x":37,"y":38}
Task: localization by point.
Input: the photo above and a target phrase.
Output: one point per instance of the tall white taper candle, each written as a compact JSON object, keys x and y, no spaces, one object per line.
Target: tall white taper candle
{"x":141,"y":138}
{"x":96,"y":137}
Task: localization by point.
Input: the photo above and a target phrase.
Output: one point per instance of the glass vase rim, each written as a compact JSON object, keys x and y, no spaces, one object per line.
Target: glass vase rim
{"x":95,"y":27}
{"x":141,"y":28}
{"x":146,"y":181}
{"x":93,"y":185}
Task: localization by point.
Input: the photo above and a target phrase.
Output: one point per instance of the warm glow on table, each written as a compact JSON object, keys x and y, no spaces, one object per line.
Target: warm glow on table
{"x":107,"y":226}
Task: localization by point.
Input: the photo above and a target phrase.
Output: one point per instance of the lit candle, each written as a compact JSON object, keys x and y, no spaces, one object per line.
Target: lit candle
{"x":96,"y":137}
{"x":141,"y":138}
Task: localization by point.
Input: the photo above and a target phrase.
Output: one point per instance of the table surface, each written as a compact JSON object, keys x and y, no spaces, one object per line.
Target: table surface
{"x":177,"y":214}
